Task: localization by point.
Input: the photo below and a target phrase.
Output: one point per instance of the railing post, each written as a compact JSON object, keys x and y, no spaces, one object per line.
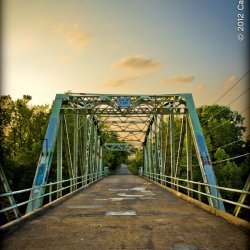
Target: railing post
{"x":199,"y":190}
{"x":32,"y":202}
{"x":71,"y":185}
{"x":50,"y":191}
{"x":217,"y":201}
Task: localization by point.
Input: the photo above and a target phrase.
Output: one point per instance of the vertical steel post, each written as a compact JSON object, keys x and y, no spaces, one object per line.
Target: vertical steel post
{"x":151,"y":152}
{"x":160,"y":151}
{"x":75,"y":149}
{"x":189,"y":157}
{"x":59,"y":158}
{"x":156,"y":146}
{"x":148,"y":156}
{"x":88,"y":147}
{"x":180,"y":147}
{"x":145,"y":158}
{"x":68,"y":153}
{"x":163,"y":145}
{"x":81,"y":152}
{"x":92,"y":146}
{"x":98,"y":156}
{"x":166,"y":147}
{"x":172,"y":145}
{"x":100,"y":161}
{"x":85,"y":139}
{"x":95,"y":148}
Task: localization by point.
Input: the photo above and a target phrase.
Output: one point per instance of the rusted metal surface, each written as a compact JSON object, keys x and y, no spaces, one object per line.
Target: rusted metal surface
{"x":126,"y":212}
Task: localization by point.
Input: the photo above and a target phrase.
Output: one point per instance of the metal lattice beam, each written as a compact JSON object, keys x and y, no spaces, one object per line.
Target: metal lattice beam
{"x":118,"y":147}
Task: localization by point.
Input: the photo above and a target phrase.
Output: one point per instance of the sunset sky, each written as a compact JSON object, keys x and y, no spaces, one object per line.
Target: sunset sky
{"x":130,"y":47}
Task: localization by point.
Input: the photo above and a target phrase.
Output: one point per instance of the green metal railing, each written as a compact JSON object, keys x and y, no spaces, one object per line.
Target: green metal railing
{"x":68,"y":185}
{"x":189,"y":187}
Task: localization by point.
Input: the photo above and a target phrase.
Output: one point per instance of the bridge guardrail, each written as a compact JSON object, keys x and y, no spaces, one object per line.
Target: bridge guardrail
{"x":74,"y":184}
{"x":175,"y":182}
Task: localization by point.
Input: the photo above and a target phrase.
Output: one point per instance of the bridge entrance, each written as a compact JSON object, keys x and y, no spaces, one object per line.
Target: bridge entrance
{"x":165,"y":128}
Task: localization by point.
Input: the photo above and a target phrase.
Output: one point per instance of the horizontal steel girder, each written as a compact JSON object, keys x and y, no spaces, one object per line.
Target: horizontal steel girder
{"x":117,"y":147}
{"x":137,"y":104}
{"x":123,"y":112}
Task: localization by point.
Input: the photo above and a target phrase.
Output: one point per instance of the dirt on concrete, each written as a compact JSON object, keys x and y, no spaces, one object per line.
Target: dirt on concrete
{"x":126,"y":212}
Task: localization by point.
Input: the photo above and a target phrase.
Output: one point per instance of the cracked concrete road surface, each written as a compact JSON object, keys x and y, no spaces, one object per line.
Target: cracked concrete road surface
{"x":126,"y":212}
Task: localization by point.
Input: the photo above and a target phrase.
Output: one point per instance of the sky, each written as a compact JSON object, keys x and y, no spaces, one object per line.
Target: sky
{"x":126,"y":47}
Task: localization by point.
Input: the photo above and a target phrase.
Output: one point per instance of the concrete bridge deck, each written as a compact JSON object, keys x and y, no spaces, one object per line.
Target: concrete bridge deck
{"x":126,"y":212}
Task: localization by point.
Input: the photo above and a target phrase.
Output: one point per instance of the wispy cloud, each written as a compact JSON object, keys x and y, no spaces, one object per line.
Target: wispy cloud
{"x":120,"y":81}
{"x":73,"y":35}
{"x":179,"y":79}
{"x":137,"y":63}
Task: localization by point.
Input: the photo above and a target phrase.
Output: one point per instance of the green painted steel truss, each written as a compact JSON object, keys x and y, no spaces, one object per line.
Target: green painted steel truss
{"x":165,"y":127}
{"x":118,"y":147}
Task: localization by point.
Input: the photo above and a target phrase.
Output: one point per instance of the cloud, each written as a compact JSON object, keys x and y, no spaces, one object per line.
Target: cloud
{"x":120,"y":82}
{"x":137,"y":63}
{"x":73,"y":35}
{"x":179,"y":79}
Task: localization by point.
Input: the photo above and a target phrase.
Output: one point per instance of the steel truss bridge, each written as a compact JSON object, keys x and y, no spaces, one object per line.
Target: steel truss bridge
{"x":165,"y":128}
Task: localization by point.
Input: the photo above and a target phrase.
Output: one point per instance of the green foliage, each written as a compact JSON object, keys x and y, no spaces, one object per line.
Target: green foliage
{"x":223,"y":126}
{"x":113,"y":160}
{"x":135,"y":162}
{"x":220,"y":154}
{"x":22,"y":128}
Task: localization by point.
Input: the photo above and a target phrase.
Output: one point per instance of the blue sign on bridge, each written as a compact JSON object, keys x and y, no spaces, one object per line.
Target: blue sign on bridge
{"x":124,"y":102}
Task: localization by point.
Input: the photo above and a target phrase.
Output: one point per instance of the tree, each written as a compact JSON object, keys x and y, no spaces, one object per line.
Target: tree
{"x":135,"y":162}
{"x":113,"y":159}
{"x":222,"y":126}
{"x":224,"y":130}
{"x":22,"y":128}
